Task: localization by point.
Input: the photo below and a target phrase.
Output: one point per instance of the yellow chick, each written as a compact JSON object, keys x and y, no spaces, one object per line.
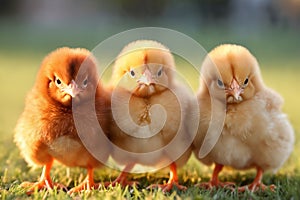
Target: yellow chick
{"x":152,"y":124}
{"x":253,"y":132}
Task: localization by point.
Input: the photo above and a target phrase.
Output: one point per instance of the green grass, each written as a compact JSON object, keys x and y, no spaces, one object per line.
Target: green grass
{"x":20,"y":57}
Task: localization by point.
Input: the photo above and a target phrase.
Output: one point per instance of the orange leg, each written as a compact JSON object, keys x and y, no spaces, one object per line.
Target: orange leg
{"x":122,"y":178}
{"x":173,"y":181}
{"x":45,"y":181}
{"x":214,"y":182}
{"x":257,"y":184}
{"x":87,"y":184}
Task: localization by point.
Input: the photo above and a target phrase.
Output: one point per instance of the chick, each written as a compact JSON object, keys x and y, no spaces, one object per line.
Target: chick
{"x":150,"y":112}
{"x":254,"y":132}
{"x":66,"y":86}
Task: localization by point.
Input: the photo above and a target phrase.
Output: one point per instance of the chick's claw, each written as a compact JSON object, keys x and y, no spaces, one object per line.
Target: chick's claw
{"x":85,"y":186}
{"x":168,"y":186}
{"x":255,"y":187}
{"x":123,"y":183}
{"x":44,"y":184}
{"x":211,"y":184}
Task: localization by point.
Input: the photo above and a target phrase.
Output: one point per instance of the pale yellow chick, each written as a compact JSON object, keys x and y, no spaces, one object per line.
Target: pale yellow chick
{"x":150,"y":111}
{"x":254,"y":133}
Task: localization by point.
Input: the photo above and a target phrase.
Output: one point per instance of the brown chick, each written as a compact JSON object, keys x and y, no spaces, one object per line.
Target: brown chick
{"x":241,"y":122}
{"x":150,"y":112}
{"x":66,"y":86}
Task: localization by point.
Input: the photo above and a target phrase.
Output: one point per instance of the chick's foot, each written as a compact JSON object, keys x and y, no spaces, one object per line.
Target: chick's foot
{"x":257,"y":184}
{"x":122,"y":178}
{"x":88,"y":184}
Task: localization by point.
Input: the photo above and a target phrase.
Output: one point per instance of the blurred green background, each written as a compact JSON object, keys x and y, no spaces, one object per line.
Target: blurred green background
{"x":30,"y":29}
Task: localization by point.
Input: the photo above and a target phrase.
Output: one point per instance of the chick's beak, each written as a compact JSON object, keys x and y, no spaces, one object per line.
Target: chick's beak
{"x":72,"y":89}
{"x":146,"y":78}
{"x":235,"y":89}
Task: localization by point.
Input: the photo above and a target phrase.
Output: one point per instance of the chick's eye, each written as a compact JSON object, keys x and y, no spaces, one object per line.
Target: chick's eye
{"x":246,"y":81}
{"x":132,"y":73}
{"x":159,"y":72}
{"x":85,"y":82}
{"x":220,"y":84}
{"x":58,"y":82}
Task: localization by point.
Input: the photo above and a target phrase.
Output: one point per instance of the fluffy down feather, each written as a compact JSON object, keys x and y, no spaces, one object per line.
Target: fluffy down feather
{"x":66,"y":85}
{"x":151,"y":111}
{"x":255,"y":132}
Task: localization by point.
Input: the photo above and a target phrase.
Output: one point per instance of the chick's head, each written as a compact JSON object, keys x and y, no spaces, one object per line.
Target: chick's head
{"x":233,"y":72}
{"x":68,"y":74}
{"x":144,"y":68}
